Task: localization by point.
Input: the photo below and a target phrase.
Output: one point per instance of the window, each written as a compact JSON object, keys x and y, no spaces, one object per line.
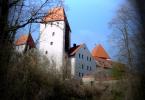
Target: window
{"x":82,"y":66}
{"x":90,"y":67}
{"x":79,"y":74}
{"x":82,"y":56}
{"x":79,"y":55}
{"x":87,"y":67}
{"x":90,"y":58}
{"x":45,"y":52}
{"x":82,"y":74}
{"x":57,"y":23}
{"x":87,"y":58}
{"x":51,"y":43}
{"x":53,"y":33}
{"x":51,"y":24}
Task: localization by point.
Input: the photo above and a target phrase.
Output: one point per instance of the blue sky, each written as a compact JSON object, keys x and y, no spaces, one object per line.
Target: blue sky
{"x":89,"y":20}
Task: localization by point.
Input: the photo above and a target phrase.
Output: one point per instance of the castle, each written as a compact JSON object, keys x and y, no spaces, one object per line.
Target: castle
{"x":55,"y":41}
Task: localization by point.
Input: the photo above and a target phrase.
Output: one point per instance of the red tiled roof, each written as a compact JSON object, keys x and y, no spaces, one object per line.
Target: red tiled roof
{"x":100,"y":52}
{"x":55,"y":14}
{"x":73,"y":50}
{"x":25,"y":39}
{"x":103,"y":62}
{"x":22,"y":40}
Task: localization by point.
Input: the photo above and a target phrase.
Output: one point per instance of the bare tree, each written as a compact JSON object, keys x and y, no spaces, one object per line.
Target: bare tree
{"x":128,"y":25}
{"x":124,"y":26}
{"x":15,"y":15}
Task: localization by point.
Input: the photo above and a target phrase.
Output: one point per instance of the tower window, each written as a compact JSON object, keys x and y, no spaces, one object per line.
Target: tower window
{"x":51,"y":43}
{"x":82,"y":56}
{"x":79,"y":55}
{"x":90,"y":58}
{"x":51,"y":24}
{"x":87,"y":58}
{"x":57,"y":23}
{"x":53,"y":33}
{"x":46,"y":52}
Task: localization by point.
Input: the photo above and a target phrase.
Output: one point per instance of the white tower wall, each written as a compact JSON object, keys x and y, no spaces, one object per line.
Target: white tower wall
{"x":52,"y":38}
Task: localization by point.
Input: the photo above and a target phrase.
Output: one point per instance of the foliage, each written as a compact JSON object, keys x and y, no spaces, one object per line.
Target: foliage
{"x":118,"y":70}
{"x":30,"y":78}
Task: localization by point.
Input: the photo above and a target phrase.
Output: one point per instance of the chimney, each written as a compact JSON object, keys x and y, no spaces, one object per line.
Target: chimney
{"x":74,"y":45}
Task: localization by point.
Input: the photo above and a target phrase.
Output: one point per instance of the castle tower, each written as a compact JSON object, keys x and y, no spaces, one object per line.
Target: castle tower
{"x":55,"y":36}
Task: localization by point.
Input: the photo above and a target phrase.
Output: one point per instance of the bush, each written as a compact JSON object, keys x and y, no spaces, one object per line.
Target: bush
{"x":31,"y":77}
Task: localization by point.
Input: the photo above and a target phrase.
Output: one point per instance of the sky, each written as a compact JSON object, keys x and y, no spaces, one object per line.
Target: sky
{"x":89,"y":21}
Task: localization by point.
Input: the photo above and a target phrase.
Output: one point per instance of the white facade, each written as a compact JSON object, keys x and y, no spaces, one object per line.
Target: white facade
{"x":20,"y":48}
{"x":52,"y":41}
{"x":82,"y":63}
